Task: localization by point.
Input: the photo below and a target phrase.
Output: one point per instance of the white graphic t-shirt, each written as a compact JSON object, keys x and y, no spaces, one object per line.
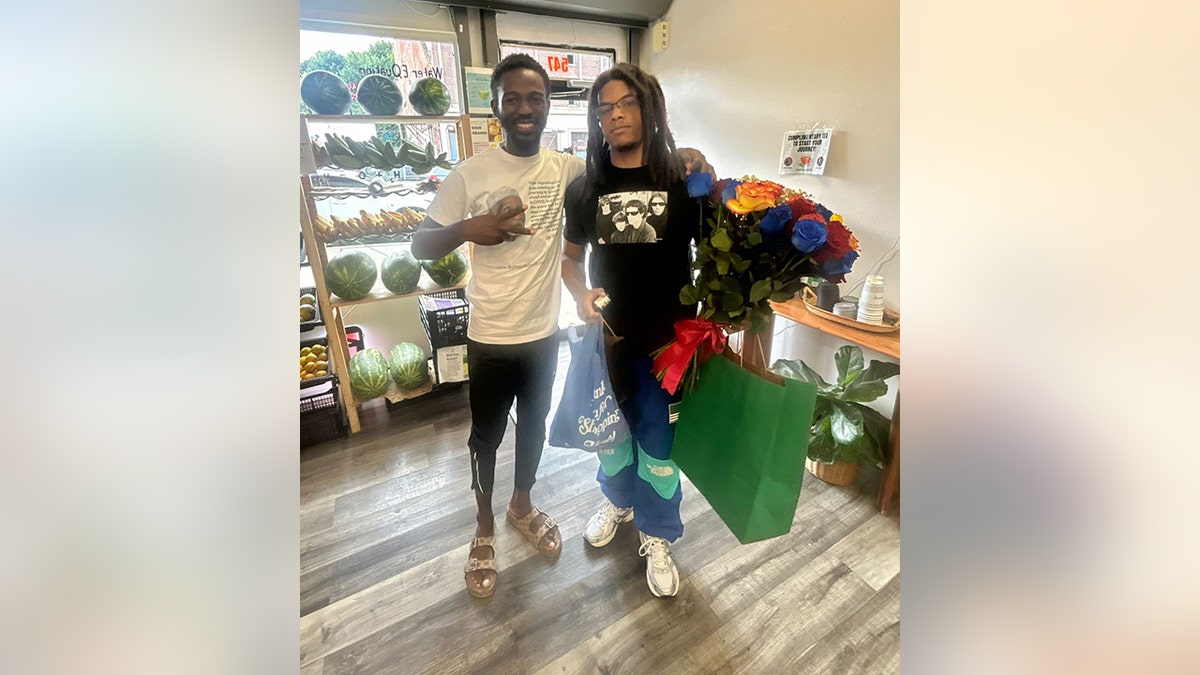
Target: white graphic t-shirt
{"x":515,"y":287}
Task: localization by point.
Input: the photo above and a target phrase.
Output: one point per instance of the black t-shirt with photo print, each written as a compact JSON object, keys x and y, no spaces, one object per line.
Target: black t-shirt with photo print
{"x":640,"y":261}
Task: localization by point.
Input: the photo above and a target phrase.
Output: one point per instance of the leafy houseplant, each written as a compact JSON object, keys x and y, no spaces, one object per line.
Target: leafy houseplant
{"x":845,"y":430}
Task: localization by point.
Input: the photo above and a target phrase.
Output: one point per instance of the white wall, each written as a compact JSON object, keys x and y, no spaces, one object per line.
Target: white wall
{"x":738,"y":76}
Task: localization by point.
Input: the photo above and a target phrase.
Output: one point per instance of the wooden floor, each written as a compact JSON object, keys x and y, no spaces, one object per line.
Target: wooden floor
{"x":386,"y":516}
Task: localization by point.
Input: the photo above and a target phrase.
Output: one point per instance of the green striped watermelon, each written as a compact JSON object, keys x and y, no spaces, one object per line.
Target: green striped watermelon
{"x":429,"y":96}
{"x":351,"y":275}
{"x":409,"y":368}
{"x":368,"y":374}
{"x":325,"y":93}
{"x":400,"y":272}
{"x":379,"y":95}
{"x":447,"y":271}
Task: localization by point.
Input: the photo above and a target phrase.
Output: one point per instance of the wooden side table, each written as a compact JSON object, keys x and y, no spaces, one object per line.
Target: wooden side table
{"x":887,"y":344}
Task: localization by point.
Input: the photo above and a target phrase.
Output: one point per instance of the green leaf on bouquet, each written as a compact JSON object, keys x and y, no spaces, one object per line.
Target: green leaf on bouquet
{"x":721,"y":241}
{"x":760,"y":290}
{"x":731,"y":301}
{"x":741,"y":267}
{"x":689,"y":295}
{"x":723,"y":265}
{"x":754,"y":238}
{"x":781,"y":296}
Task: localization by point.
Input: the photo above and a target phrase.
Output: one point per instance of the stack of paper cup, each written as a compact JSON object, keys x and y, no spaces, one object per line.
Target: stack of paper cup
{"x":870,"y":303}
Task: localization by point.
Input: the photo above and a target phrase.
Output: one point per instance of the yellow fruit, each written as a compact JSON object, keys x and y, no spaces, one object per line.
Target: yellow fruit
{"x":305,"y":351}
{"x":321,"y":373}
{"x":307,"y":376}
{"x":323,"y":365}
{"x":307,"y":313}
{"x":308,"y":299}
{"x":318,"y":349}
{"x":311,"y":358}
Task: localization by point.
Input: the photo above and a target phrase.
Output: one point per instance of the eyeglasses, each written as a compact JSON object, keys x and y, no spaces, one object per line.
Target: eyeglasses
{"x":605,"y":109}
{"x":634,"y":212}
{"x":654,"y":204}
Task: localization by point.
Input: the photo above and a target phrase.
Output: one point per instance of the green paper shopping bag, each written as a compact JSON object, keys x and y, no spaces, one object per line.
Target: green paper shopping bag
{"x":741,"y":439}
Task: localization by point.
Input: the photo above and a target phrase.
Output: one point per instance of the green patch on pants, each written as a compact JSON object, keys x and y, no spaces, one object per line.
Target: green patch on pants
{"x":613,"y":459}
{"x":661,"y":474}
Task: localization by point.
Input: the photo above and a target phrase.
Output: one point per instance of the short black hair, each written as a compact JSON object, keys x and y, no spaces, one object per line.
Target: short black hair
{"x":517,"y":61}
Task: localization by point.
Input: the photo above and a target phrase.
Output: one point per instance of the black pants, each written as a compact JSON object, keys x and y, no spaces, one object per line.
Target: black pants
{"x":500,"y":373}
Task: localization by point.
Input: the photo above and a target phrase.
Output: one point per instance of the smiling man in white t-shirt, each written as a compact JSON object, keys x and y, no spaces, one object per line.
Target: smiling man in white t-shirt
{"x":508,"y":201}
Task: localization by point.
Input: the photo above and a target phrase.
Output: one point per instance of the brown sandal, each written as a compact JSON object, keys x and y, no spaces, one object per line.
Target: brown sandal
{"x":547,"y":540}
{"x":487,"y":585}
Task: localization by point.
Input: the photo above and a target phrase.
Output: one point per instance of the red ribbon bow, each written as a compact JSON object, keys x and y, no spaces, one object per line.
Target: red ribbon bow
{"x":690,"y":335}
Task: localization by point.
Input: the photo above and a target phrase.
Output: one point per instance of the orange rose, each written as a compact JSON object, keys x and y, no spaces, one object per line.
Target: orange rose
{"x":754,"y":197}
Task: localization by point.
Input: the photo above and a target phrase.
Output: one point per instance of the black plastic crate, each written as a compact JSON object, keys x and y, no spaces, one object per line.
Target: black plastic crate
{"x":306,"y":326}
{"x":321,"y":416}
{"x":448,"y":326}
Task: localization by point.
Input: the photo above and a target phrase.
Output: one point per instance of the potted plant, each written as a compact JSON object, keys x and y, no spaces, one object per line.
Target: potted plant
{"x":845,"y":432}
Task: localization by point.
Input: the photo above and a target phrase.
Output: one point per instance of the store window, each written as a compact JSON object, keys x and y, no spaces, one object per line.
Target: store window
{"x":353,"y":56}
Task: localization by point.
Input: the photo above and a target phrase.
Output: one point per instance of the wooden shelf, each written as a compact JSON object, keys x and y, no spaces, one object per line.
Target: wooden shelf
{"x":383,"y":119}
{"x":884,"y":343}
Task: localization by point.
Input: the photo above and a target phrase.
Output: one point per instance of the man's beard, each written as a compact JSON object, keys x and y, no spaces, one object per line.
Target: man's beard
{"x":628,"y":147}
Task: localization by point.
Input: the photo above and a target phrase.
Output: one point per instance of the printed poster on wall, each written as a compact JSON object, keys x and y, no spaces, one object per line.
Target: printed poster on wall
{"x":805,"y":151}
{"x":485,"y":133}
{"x":479,"y":90}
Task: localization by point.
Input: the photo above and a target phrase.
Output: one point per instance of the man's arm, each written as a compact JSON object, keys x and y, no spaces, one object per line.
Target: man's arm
{"x":576,"y":283}
{"x":432,"y":241}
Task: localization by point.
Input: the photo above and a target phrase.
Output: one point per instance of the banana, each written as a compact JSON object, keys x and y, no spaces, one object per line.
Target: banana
{"x":347,"y":161}
{"x":389,"y":154}
{"x":336,"y":146}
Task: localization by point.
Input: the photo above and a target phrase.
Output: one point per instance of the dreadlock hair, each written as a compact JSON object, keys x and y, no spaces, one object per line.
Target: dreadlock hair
{"x":517,"y":61}
{"x":658,"y":144}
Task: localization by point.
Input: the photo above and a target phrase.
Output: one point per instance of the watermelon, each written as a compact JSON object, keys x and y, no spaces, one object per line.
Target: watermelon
{"x":409,"y":368}
{"x":447,"y":271}
{"x":325,"y":93}
{"x":429,"y":96}
{"x":351,"y":275}
{"x":379,"y":95}
{"x":400,"y":272}
{"x":368,"y":374}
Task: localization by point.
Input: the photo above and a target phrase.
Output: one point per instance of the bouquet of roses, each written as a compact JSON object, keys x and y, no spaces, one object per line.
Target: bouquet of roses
{"x":761,"y":243}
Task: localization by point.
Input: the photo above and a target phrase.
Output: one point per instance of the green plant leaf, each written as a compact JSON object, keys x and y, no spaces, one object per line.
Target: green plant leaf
{"x":760,"y":290}
{"x":780,"y":296}
{"x":849,"y":362}
{"x":846,"y":423}
{"x":821,"y":446}
{"x":731,"y":301}
{"x":870,"y":385}
{"x":799,"y":370}
{"x":742,"y":266}
{"x":754,"y":238}
{"x":722,"y":266}
{"x":721,"y":241}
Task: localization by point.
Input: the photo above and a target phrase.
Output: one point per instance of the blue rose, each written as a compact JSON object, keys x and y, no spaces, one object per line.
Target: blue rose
{"x":839,"y":266}
{"x":808,"y":235}
{"x":730,"y":191}
{"x":776,"y":219}
{"x":824,"y":212}
{"x":698,"y":184}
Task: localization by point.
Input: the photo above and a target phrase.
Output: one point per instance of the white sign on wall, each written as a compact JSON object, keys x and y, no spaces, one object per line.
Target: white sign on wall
{"x":805,"y":151}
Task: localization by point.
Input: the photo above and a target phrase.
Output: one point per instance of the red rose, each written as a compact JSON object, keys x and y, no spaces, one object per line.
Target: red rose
{"x":837,"y":243}
{"x":802,"y":208}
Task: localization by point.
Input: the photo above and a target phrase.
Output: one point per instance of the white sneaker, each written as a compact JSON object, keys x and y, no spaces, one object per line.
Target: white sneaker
{"x":661,"y":575}
{"x":602,"y":527}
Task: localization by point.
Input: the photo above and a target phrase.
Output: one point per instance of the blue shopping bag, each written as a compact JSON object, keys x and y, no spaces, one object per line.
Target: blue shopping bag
{"x":588,"y":416}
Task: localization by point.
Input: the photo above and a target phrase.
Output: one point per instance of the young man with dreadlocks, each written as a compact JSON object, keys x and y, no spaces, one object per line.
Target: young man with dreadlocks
{"x":632,"y":159}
